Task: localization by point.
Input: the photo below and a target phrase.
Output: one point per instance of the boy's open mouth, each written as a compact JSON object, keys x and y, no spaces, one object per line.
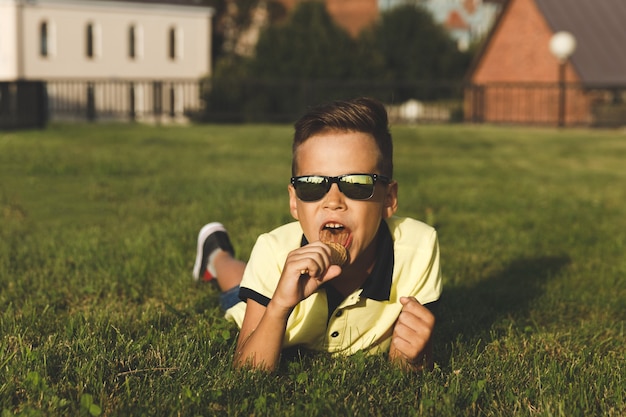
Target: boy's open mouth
{"x":336,"y":233}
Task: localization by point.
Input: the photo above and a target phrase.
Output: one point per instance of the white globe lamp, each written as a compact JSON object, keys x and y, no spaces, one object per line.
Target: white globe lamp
{"x":562,"y":45}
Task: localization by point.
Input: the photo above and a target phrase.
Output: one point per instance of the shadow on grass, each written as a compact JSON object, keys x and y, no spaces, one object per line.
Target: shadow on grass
{"x":472,"y":313}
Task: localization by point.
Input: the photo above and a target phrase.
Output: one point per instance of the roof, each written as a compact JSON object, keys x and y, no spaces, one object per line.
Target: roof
{"x":600,"y":32}
{"x":455,"y":21}
{"x":597,"y":25}
{"x":169,"y":2}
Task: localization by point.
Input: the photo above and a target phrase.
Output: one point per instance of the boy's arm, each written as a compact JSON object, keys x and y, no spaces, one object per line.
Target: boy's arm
{"x":261,"y":336}
{"x":411,"y":343}
{"x":263,"y":328}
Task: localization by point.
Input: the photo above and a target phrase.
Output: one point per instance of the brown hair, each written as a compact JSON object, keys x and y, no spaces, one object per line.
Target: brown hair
{"x":364,"y":115}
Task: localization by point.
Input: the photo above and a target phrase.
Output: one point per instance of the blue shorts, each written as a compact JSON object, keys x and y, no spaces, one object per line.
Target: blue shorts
{"x":229,"y":298}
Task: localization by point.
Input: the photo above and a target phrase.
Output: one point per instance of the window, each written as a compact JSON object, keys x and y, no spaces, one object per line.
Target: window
{"x":43,"y":39}
{"x":135,"y":42}
{"x":47,"y":39}
{"x":92,"y":41}
{"x":175,"y":43}
{"x":172,"y":43}
{"x":89,"y":35}
{"x":132,"y":53}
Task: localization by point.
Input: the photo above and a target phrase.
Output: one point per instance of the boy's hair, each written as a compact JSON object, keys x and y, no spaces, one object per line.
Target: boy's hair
{"x":364,"y":115}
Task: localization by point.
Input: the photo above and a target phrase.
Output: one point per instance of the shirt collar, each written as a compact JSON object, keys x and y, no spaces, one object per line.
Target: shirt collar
{"x":377,"y":286}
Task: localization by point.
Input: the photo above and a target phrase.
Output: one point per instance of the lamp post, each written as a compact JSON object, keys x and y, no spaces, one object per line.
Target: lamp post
{"x":562,"y":46}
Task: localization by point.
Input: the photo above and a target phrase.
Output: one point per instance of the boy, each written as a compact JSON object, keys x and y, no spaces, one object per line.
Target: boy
{"x":341,"y":191}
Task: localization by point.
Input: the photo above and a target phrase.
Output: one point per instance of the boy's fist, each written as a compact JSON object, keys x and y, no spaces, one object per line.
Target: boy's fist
{"x":411,"y":340}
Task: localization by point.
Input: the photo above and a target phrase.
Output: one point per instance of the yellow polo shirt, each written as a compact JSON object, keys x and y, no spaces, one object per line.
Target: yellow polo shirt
{"x":407,"y":265}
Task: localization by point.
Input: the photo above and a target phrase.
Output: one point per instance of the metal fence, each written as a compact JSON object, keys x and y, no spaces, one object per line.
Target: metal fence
{"x":145,"y":101}
{"x":555,"y":104}
{"x":179,"y":101}
{"x":284,"y":100}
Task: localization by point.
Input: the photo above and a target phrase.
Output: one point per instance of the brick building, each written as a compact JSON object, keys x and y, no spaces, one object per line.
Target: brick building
{"x":352,"y":15}
{"x":515,"y":77}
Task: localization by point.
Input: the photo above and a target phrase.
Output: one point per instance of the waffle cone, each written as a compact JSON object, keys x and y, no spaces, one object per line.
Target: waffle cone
{"x":338,"y":254}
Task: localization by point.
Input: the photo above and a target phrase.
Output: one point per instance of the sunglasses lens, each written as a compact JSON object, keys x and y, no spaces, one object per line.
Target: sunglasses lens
{"x":357,"y":187}
{"x":353,"y":186}
{"x":310,"y":188}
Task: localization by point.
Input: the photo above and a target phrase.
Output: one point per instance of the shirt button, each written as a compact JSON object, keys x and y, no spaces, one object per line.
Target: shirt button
{"x":339,"y":313}
{"x":334,"y":334}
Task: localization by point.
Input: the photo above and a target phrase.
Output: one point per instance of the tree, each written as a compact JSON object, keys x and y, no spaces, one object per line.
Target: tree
{"x":232,"y":18}
{"x":292,"y":65}
{"x":308,"y":59}
{"x":415,"y":49}
{"x":309,"y":45}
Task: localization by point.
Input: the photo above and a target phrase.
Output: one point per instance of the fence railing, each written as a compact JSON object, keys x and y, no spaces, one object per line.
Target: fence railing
{"x":178,"y":101}
{"x":571,"y":104}
{"x":167,"y":101}
{"x":148,"y":101}
{"x":284,"y":100}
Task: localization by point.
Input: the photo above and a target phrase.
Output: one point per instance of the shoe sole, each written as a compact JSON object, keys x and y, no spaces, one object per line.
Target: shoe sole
{"x":205,"y":232}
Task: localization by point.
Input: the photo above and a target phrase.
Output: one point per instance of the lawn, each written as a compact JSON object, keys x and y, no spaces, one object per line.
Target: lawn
{"x":99,"y":315}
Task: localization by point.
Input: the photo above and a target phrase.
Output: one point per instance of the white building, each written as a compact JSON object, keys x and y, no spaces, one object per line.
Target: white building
{"x":109,"y":43}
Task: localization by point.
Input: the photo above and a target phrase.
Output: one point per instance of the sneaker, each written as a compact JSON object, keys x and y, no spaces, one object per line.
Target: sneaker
{"x":212,"y":236}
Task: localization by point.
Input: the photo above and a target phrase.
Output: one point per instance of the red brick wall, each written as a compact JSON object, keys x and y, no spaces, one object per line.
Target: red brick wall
{"x":526,"y":104}
{"x":519,"y":49}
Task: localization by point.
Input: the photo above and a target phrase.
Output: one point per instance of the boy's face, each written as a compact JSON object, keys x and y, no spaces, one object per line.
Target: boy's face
{"x":335,"y":153}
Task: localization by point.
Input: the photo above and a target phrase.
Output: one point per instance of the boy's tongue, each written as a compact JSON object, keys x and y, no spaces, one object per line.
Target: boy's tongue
{"x":338,"y":235}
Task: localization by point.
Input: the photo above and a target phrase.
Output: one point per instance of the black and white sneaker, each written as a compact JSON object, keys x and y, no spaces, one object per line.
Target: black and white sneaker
{"x":212,"y":237}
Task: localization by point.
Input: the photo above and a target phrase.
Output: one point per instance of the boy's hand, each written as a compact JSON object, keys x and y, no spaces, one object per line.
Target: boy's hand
{"x":411,"y":340}
{"x":263,"y":328}
{"x":306,"y":269}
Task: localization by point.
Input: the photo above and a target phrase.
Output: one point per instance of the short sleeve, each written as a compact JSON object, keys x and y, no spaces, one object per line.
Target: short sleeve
{"x":417,"y":271}
{"x":267,"y":261}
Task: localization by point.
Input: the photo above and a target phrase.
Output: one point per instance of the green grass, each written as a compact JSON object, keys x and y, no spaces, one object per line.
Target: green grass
{"x":98,"y":314}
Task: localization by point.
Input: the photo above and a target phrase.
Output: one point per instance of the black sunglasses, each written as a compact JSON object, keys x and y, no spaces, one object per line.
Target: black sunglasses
{"x":353,"y":186}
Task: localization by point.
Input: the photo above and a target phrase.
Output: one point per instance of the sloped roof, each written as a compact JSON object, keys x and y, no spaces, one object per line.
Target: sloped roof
{"x":455,"y":21}
{"x":599,"y":27}
{"x":200,"y":3}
